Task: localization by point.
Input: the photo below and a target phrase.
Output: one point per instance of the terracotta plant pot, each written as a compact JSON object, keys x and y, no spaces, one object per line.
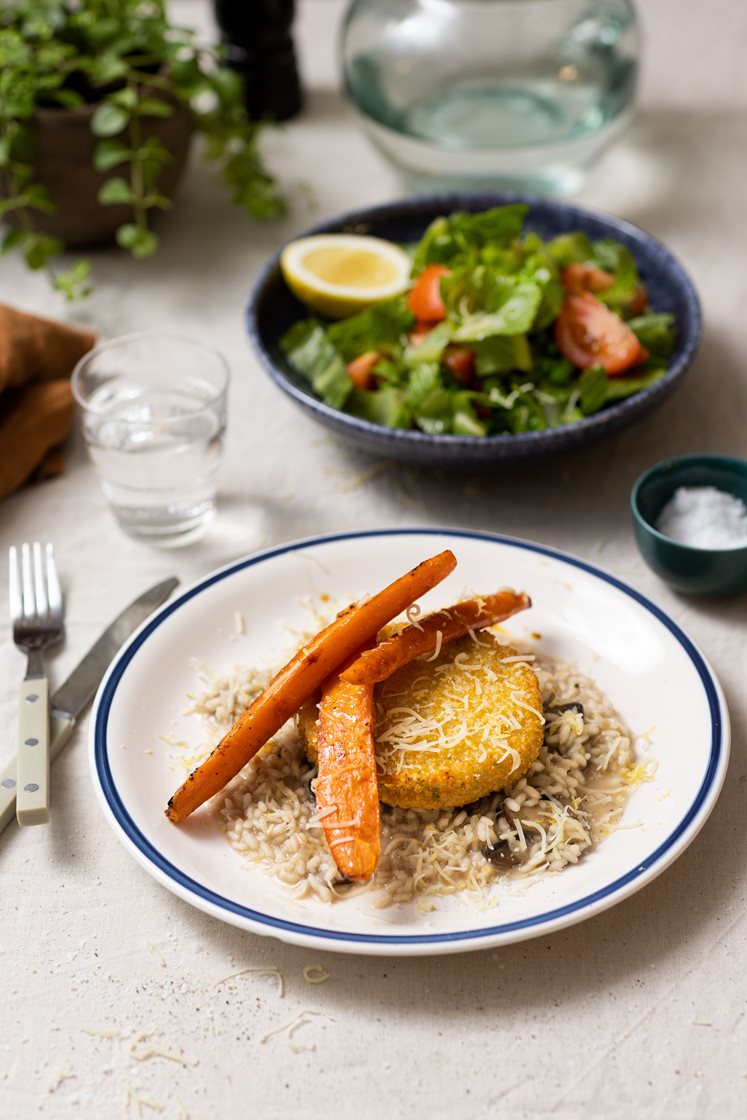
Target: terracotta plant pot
{"x":64,"y":165}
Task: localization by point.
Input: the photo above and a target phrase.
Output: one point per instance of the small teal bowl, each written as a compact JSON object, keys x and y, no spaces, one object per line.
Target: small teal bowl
{"x":697,"y":571}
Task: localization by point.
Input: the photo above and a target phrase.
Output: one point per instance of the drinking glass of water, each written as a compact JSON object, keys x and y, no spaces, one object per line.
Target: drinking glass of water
{"x":517,"y":94}
{"x":154,"y":415}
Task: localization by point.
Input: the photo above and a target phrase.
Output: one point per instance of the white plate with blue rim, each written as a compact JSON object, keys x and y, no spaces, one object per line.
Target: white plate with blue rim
{"x":654,"y":674}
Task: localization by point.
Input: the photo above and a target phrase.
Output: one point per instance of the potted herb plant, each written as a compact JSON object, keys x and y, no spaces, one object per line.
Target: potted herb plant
{"x":98,"y":101}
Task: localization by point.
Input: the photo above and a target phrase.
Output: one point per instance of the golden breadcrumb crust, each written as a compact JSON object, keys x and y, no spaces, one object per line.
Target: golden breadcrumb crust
{"x":453,"y":729}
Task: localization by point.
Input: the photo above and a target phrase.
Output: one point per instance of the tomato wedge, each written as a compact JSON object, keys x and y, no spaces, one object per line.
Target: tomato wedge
{"x":589,"y":334}
{"x":578,"y":278}
{"x":639,"y":302}
{"x":360,"y":370}
{"x":425,"y":300}
{"x":460,"y":360}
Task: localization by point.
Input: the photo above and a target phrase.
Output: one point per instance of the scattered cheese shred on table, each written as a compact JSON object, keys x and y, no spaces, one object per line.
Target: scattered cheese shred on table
{"x":142,"y":1053}
{"x":295,"y":1024}
{"x":134,"y":1098}
{"x":98,"y":1032}
{"x":63,"y":1073}
{"x":183,"y":1114}
{"x":156,"y":953}
{"x":365,"y":477}
{"x":259,"y":972}
{"x":315,"y":974}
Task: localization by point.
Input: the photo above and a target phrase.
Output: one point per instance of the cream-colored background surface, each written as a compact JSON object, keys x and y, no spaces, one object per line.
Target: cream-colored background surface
{"x":640,"y":1011}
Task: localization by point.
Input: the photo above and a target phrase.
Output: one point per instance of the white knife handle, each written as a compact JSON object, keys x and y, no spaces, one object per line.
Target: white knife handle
{"x":32,"y":791}
{"x":60,"y":730}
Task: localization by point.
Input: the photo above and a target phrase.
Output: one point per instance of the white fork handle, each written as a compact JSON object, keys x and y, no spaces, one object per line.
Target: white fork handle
{"x":60,"y":729}
{"x":32,"y":792}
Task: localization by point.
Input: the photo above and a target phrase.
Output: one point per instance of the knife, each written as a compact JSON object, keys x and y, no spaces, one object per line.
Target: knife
{"x":66,"y":704}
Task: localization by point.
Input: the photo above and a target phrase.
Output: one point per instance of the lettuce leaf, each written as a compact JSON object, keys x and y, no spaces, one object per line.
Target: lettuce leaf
{"x":432,"y":346}
{"x":382,"y":327}
{"x":463,"y":234}
{"x":596,"y":389}
{"x":648,"y":375}
{"x":570,"y":248}
{"x":386,"y":406}
{"x":501,"y":353}
{"x":655,"y":331}
{"x":309,"y":350}
{"x":614,"y":257}
{"x":483,"y":302}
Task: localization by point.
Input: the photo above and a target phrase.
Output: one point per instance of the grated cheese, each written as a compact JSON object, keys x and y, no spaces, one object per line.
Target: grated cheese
{"x":156,"y":953}
{"x":136,"y":1098}
{"x":294,"y":1025}
{"x":259,"y":972}
{"x":437,"y":651}
{"x":315,"y":974}
{"x":142,"y":1053}
{"x":60,"y":1076}
{"x":412,"y":614}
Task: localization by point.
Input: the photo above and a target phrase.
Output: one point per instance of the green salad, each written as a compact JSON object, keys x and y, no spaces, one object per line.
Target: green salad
{"x":500,"y":332}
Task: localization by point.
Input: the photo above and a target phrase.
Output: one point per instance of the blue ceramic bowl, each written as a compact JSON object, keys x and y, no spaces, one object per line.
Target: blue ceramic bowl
{"x":273,"y":309}
{"x":697,"y":571}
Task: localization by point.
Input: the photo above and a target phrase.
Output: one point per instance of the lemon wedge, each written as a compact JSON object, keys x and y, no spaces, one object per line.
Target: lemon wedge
{"x":338,"y":274}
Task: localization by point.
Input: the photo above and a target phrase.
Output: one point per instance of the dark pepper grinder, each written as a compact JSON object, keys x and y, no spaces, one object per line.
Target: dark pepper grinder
{"x":257,"y":35}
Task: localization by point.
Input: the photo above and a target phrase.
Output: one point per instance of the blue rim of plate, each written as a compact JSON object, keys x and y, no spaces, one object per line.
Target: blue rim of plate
{"x":108,"y":788}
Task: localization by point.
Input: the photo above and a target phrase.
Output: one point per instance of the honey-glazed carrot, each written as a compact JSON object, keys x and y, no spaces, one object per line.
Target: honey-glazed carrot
{"x":347,"y":790}
{"x":433,"y":631}
{"x":307,"y":670}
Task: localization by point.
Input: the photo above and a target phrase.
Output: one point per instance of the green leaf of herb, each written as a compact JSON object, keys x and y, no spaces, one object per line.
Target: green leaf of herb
{"x":154,"y":107}
{"x":140,"y":242}
{"x":126,"y":98}
{"x":115,"y":191}
{"x":12,"y":239}
{"x":108,"y":120}
{"x":38,"y":248}
{"x":74,"y":283}
{"x":110,"y":153}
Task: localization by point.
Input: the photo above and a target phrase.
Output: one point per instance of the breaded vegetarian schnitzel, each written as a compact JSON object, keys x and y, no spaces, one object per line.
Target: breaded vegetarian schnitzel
{"x":451,"y":728}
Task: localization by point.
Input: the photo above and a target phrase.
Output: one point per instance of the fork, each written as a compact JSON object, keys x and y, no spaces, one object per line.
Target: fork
{"x":36,"y":614}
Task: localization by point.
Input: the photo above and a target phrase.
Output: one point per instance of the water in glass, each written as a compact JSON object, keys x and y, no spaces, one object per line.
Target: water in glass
{"x":157,"y":450}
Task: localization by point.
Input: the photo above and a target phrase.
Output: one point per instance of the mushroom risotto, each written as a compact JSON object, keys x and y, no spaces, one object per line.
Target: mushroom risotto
{"x":571,"y":796}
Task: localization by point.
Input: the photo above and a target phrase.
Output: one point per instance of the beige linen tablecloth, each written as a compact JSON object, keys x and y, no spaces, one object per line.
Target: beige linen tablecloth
{"x":107,"y":978}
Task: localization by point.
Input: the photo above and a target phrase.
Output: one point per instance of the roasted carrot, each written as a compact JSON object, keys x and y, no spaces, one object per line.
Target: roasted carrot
{"x":435,"y":630}
{"x":301,"y":677}
{"x":347,"y":789}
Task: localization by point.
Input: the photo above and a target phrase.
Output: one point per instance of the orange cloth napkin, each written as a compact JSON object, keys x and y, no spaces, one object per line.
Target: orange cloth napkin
{"x":37,"y":357}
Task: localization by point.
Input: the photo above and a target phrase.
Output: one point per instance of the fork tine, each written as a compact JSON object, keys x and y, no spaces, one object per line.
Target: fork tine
{"x":27,"y":582}
{"x":40,"y":583}
{"x":14,"y":581}
{"x":54,"y":591}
